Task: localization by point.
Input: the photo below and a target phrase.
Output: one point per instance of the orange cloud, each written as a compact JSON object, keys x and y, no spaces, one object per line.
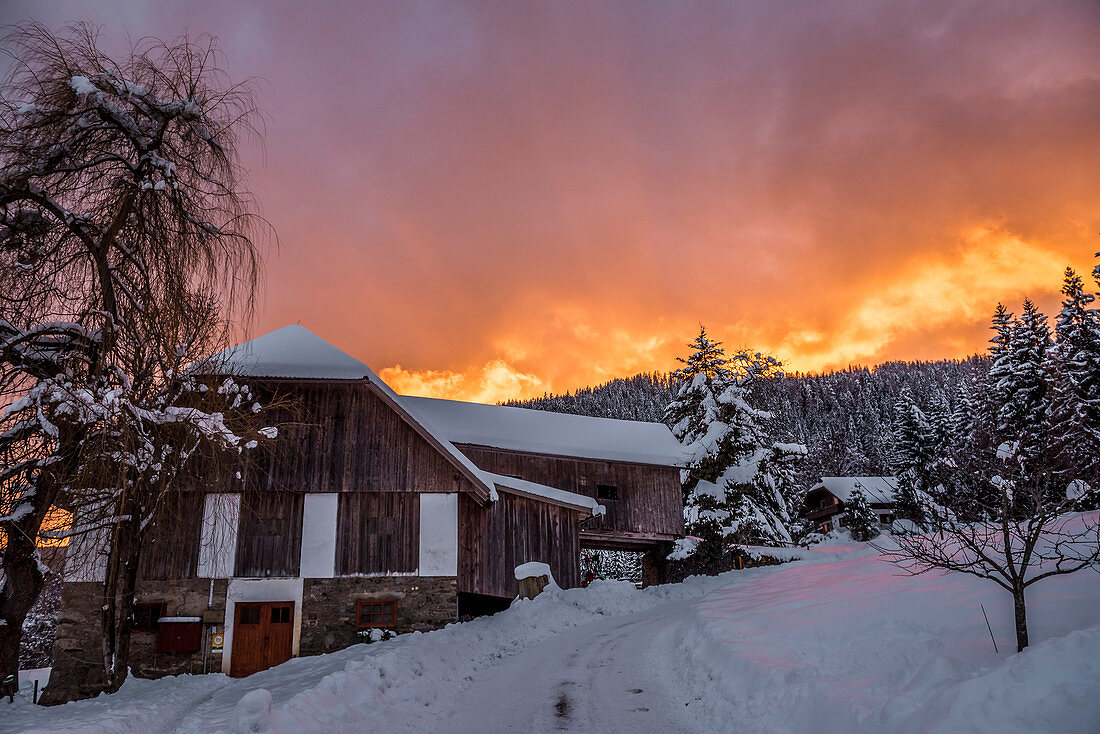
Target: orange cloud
{"x":988,"y":265}
{"x":495,"y":381}
{"x":501,"y":199}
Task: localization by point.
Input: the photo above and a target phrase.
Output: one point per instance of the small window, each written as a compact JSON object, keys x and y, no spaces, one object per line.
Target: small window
{"x":249,"y":615}
{"x":375,"y":613}
{"x":146,"y":616}
{"x":280,"y":615}
{"x":607,"y":492}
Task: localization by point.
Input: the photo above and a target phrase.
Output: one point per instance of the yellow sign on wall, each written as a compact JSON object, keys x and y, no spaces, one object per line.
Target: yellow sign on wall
{"x":216,"y":642}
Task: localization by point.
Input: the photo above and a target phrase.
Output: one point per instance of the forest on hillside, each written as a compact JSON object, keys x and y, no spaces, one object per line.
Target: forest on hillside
{"x":844,"y":418}
{"x":1011,"y":434}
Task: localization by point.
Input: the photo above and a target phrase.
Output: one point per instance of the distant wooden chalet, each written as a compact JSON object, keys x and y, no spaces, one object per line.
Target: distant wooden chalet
{"x":374,"y":510}
{"x":825,"y":502}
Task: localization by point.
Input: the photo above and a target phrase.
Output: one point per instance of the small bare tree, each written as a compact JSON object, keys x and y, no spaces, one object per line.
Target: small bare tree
{"x":1032,"y":538}
{"x":127,"y":245}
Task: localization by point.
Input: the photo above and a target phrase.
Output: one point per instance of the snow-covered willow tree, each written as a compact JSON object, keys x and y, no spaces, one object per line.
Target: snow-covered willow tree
{"x":739,"y":483}
{"x":127,"y":243}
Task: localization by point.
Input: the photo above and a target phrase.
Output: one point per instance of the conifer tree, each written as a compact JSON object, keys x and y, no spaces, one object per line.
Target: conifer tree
{"x":1074,"y":372}
{"x":862,"y":520}
{"x":914,"y":458}
{"x":1023,"y":417}
{"x":738,"y":486}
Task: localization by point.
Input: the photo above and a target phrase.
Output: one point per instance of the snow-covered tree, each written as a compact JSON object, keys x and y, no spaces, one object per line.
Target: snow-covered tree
{"x":917,"y":453}
{"x":1022,"y":534}
{"x":862,"y":521}
{"x":126,"y":244}
{"x":738,"y":487}
{"x":1023,"y":416}
{"x":1074,"y":372}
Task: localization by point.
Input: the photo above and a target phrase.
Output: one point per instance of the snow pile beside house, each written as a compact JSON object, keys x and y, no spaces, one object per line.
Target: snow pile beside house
{"x":384,"y":684}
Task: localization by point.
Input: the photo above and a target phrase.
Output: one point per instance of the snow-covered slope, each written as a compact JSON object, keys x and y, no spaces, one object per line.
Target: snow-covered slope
{"x":837,"y":642}
{"x":849,"y":646}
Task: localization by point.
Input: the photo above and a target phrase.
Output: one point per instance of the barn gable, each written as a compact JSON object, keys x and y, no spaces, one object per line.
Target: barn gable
{"x":295,"y":353}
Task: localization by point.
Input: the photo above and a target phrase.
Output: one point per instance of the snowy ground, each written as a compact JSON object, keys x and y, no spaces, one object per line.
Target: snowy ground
{"x":837,"y":642}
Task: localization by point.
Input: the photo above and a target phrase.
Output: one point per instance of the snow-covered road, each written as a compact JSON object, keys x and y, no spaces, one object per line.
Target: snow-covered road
{"x":603,"y":677}
{"x":838,"y":643}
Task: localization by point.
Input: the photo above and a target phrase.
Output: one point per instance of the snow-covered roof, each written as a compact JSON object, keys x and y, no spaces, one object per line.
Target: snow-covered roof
{"x":542,"y":432}
{"x":296,"y":352}
{"x":877,"y":490}
{"x":292,"y":351}
{"x":541,"y":491}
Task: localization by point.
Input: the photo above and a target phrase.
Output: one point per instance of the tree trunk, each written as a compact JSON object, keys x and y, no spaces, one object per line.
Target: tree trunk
{"x":119,"y":585}
{"x":23,"y":581}
{"x":1021,"y":618}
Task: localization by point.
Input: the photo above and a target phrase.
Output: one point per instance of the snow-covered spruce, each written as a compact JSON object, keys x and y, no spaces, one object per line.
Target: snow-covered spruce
{"x":739,"y":484}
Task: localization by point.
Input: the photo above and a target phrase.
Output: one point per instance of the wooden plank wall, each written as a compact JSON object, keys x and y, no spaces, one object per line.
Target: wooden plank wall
{"x":336,"y":437}
{"x":649,"y":496}
{"x":494,"y":539}
{"x":269,"y":539}
{"x":377,"y":532}
{"x":172,"y":539}
{"x":341,"y":437}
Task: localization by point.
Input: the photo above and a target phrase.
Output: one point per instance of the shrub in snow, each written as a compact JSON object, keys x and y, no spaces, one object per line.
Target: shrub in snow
{"x":863,"y":523}
{"x":375,"y":634}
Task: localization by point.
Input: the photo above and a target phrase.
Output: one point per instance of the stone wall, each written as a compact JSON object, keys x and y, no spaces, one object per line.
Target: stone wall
{"x":328,"y":623}
{"x":328,"y":607}
{"x":77,"y":652}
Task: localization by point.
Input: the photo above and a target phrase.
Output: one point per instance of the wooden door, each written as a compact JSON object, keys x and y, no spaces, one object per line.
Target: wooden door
{"x":263,"y":636}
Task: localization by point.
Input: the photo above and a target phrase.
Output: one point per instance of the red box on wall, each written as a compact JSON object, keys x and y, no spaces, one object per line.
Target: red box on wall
{"x":179,"y":634}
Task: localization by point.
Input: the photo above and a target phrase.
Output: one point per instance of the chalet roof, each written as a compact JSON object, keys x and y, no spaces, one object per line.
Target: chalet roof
{"x":877,"y":490}
{"x":543,"y":432}
{"x":290,"y":352}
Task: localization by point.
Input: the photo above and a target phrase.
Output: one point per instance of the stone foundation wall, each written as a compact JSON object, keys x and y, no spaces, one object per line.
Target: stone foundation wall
{"x":328,"y":623}
{"x":328,"y":607}
{"x":77,"y":650}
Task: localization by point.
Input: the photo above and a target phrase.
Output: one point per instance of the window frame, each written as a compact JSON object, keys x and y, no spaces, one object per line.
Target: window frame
{"x":361,"y":604}
{"x":602,"y":489}
{"x":150,"y":626}
{"x":246,"y":611}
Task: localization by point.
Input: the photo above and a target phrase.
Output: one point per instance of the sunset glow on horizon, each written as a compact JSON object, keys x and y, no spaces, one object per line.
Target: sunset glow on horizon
{"x":493,"y":201}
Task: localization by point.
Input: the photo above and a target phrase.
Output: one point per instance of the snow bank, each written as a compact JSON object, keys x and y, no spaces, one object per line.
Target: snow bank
{"x":386,"y":686}
{"x":842,"y":643}
{"x":838,"y":642}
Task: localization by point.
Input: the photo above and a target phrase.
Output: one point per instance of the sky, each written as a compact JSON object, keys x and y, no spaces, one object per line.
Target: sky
{"x":488,"y":201}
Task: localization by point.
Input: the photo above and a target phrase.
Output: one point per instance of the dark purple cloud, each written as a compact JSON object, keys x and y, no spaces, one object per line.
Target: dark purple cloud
{"x":523,"y":195}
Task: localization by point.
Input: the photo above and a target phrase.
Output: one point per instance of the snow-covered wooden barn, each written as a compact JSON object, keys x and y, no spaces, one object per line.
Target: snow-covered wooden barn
{"x":374,"y":510}
{"x":826,"y":500}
